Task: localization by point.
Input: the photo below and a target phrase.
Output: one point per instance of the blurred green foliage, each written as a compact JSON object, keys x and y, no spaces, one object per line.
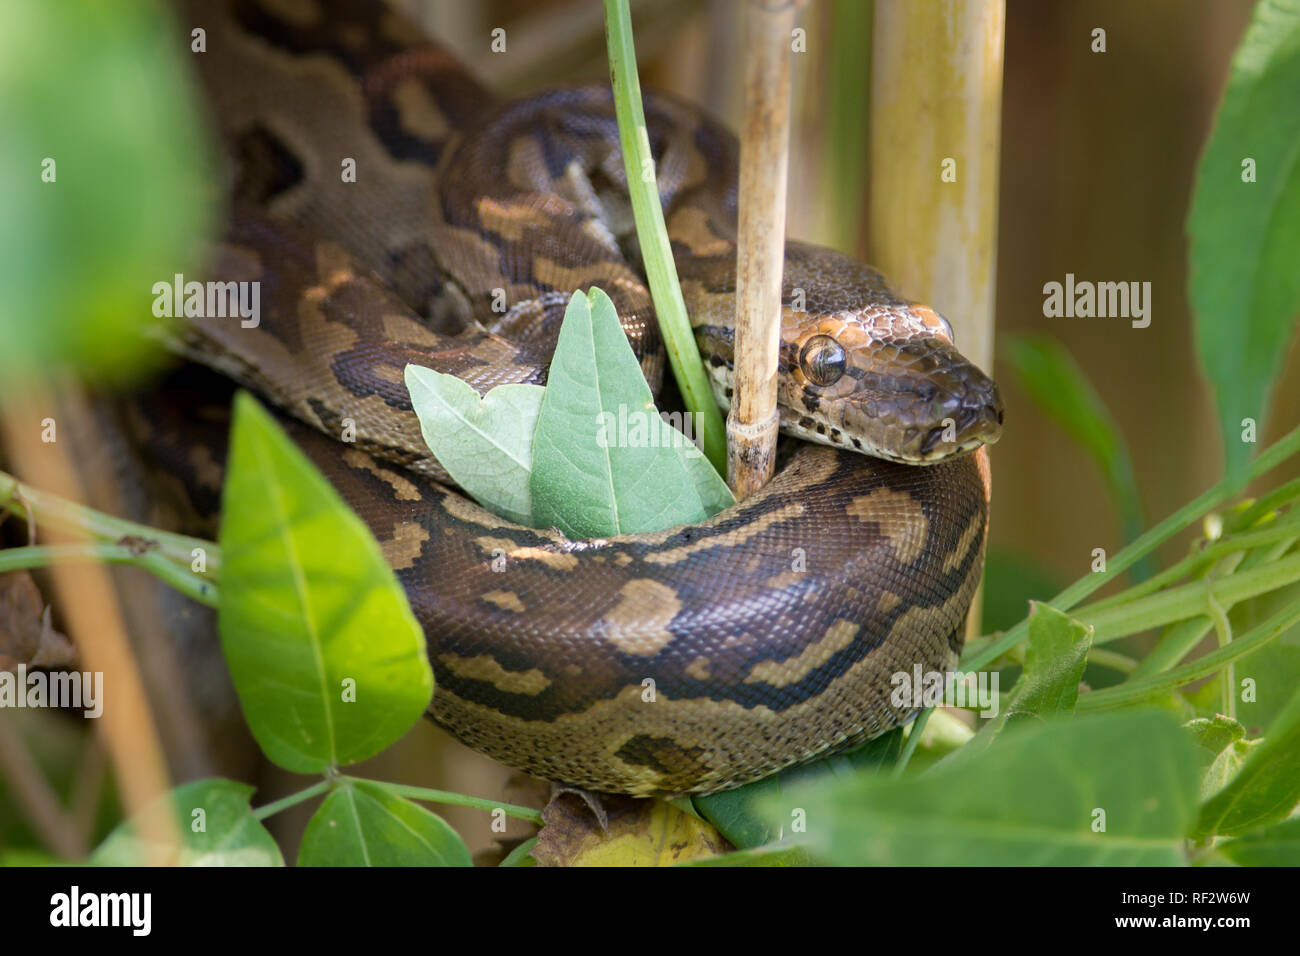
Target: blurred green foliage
{"x":1060,"y":388}
{"x":104,"y":165}
{"x":1245,"y":226}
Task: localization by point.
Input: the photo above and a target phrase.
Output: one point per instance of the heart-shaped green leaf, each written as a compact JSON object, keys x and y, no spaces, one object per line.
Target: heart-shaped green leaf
{"x":486,"y":444}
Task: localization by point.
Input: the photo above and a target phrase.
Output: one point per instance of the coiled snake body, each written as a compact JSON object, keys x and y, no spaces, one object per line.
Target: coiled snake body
{"x":769,"y":633}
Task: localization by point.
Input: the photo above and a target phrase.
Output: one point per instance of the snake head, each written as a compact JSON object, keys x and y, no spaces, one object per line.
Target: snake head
{"x":885,"y":381}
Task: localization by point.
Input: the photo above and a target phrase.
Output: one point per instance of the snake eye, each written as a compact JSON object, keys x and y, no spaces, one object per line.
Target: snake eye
{"x":822,"y":360}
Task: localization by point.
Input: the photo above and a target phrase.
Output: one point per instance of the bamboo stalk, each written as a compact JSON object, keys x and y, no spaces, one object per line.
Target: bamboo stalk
{"x":760,"y":248}
{"x":936,"y":106}
{"x":94,"y":618}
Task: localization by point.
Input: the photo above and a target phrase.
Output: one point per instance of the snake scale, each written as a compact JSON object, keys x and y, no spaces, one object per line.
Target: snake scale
{"x":769,"y":632}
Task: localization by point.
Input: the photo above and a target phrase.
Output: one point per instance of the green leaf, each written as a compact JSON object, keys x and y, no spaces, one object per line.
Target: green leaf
{"x":1054,"y":663}
{"x":486,"y":444}
{"x":1266,"y":788}
{"x":519,"y":856}
{"x":604,"y":462}
{"x":735,"y":813}
{"x":1227,"y":763}
{"x":1278,"y":845}
{"x":774,"y":855}
{"x":1274,"y":669}
{"x":1212,"y":734}
{"x":1060,"y":388}
{"x":361,"y":824}
{"x":215,"y":823}
{"x":1032,"y":798}
{"x":326,"y":656}
{"x":106,"y":94}
{"x":1245,"y":236}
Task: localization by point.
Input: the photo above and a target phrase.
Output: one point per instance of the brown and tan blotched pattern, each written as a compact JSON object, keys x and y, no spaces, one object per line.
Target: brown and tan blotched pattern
{"x":544,"y":663}
{"x":688,"y":660}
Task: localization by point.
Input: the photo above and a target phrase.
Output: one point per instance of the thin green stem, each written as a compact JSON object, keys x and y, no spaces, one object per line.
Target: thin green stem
{"x":1177,"y":641}
{"x":1104,"y":657}
{"x":182,"y":579}
{"x":656,"y":250}
{"x":284,"y":803}
{"x":25,"y":502}
{"x":1176,"y":522}
{"x":1233,"y":544}
{"x":1188,"y":600}
{"x":459,"y":800}
{"x":1135,"y":691}
{"x":1224,"y":630}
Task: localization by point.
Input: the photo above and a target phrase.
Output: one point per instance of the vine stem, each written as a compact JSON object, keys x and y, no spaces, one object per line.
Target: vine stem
{"x":181,"y":579}
{"x":1133,"y":691}
{"x":1283,"y":449}
{"x":270,"y":809}
{"x":656,"y":251}
{"x":399,"y":790}
{"x":1198,"y":598}
{"x":44,"y":508}
{"x":1237,"y":544}
{"x":460,"y":800}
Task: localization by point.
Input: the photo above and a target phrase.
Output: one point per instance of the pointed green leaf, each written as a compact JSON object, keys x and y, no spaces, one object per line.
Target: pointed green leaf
{"x":1245,"y":225}
{"x":1055,"y":659}
{"x":361,"y":824}
{"x":326,"y":656}
{"x":604,"y":462}
{"x":1054,"y":663}
{"x":486,"y":444}
{"x":215,"y":823}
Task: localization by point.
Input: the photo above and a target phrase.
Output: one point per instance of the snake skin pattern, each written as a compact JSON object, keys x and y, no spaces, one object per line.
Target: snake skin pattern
{"x":689,"y":660}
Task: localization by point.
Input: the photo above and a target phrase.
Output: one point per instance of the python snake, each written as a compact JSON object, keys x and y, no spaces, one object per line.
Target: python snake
{"x":688,"y":660}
